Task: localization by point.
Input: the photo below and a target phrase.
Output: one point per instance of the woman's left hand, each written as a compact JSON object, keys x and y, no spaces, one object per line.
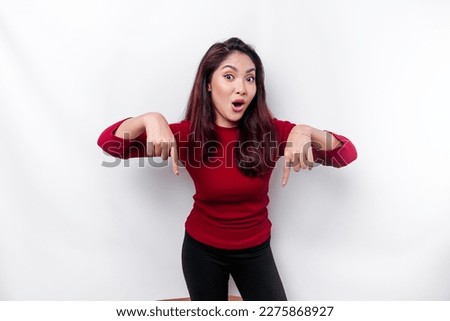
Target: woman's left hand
{"x":298,"y":152}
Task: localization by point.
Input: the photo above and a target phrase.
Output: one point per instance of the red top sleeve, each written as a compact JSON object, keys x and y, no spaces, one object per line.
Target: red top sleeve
{"x":120,"y":147}
{"x":137,"y":147}
{"x":338,"y":157}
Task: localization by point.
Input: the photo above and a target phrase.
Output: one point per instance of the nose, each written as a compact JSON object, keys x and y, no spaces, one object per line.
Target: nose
{"x":240,"y":87}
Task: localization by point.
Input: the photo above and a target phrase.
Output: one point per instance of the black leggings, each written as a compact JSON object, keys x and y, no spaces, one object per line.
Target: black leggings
{"x":207,"y":270}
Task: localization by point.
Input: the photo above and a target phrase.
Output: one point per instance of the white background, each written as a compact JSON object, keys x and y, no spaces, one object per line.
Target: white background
{"x":377,"y":72}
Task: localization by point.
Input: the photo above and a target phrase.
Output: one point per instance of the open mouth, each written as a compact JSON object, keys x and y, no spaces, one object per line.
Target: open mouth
{"x":238,"y":105}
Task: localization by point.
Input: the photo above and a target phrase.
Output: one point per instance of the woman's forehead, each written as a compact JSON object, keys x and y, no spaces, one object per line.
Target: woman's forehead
{"x":239,"y":61}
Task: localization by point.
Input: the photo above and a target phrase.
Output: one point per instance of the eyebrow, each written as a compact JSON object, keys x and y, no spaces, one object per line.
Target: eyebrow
{"x":235,"y":69}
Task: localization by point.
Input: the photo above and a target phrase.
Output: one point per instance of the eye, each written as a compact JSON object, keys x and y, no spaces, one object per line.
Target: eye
{"x":251,"y":78}
{"x":228,"y":77}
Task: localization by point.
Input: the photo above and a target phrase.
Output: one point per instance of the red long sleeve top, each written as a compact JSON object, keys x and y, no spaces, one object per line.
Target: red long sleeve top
{"x":230,"y":208}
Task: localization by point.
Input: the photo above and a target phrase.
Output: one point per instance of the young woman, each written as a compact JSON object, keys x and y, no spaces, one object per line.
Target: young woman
{"x":229,"y":143}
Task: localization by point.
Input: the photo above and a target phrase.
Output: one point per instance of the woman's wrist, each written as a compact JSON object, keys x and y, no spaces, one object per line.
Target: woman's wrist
{"x":320,"y":139}
{"x":303,"y":130}
{"x":150,"y":117}
{"x":133,"y":127}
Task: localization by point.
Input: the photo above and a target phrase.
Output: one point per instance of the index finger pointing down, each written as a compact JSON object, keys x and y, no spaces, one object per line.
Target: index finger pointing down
{"x":286,"y":171}
{"x":174,"y":156}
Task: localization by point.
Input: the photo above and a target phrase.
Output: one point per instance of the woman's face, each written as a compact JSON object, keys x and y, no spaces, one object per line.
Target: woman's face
{"x":232,"y":88}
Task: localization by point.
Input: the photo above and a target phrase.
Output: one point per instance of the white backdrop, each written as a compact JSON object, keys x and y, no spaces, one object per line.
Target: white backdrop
{"x":374,"y":71}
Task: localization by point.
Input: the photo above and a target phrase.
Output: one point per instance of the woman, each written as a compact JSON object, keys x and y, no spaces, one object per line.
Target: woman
{"x":229,"y":143}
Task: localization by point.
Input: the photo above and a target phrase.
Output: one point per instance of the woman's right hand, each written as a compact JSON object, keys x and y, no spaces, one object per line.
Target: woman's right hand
{"x":160,"y":139}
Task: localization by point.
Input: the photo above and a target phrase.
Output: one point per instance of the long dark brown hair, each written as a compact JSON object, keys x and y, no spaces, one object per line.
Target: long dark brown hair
{"x":256,"y":131}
